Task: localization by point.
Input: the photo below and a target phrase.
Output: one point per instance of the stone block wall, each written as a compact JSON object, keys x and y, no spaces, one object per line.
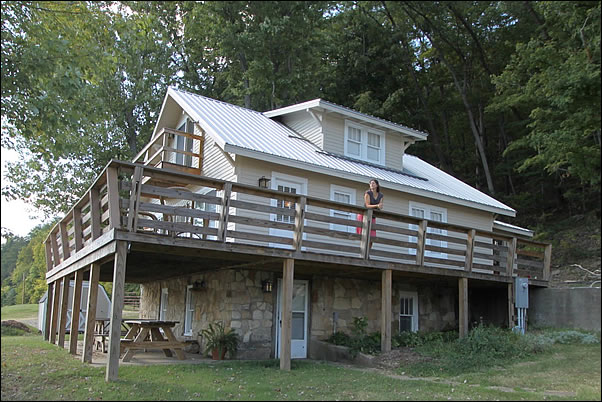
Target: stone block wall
{"x":349,"y":298}
{"x":233,"y":297}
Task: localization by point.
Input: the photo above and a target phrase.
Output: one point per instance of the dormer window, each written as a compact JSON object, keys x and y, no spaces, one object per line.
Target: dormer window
{"x":364,"y":143}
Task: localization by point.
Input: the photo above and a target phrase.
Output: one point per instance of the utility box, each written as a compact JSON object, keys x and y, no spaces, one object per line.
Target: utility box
{"x":521,"y":292}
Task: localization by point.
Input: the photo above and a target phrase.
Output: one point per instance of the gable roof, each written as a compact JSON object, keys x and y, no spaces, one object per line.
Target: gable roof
{"x":252,"y":134}
{"x":333,"y":107}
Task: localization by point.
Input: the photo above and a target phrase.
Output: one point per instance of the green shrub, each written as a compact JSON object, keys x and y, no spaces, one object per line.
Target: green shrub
{"x":339,"y":338}
{"x":567,"y":337}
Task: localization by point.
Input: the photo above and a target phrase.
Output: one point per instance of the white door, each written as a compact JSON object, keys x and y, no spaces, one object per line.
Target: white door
{"x":287,"y":184}
{"x":299,"y":322}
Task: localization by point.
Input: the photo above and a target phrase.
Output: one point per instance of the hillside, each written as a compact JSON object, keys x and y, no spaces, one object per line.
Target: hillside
{"x":575,"y":249}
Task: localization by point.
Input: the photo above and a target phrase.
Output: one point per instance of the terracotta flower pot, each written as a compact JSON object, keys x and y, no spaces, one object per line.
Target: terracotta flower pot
{"x":216,"y":356}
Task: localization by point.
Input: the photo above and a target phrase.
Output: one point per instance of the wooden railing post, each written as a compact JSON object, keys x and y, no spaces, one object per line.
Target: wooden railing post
{"x":510,"y":305}
{"x":113,"y":190}
{"x":366,"y":228}
{"x":77,"y":229}
{"x":385,"y":317}
{"x":223,"y":216}
{"x":547,"y":261}
{"x":471,"y":234}
{"x":95,"y":213}
{"x":55,"y":249}
{"x":421,"y":242}
{"x":49,"y":260}
{"x":132,"y":224}
{"x":64,"y":239}
{"x":510,"y":257}
{"x":299,"y":222}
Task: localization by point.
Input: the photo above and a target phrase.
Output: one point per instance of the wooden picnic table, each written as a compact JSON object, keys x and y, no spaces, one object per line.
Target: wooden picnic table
{"x":101,"y":332}
{"x":146,"y":335}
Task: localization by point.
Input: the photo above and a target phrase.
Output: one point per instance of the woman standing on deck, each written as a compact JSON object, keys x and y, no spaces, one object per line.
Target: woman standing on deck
{"x":373,"y":199}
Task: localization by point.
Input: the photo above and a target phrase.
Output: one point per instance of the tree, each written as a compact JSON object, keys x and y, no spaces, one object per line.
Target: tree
{"x":555,"y":76}
{"x":81,"y":84}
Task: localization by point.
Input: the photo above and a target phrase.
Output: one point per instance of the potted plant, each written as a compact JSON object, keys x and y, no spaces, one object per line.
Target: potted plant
{"x":219,"y":340}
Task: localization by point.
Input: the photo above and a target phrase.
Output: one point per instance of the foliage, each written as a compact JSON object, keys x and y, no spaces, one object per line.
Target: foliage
{"x":358,"y":341}
{"x":413,"y":339}
{"x":566,"y":337}
{"x":509,"y":92}
{"x":218,"y":338}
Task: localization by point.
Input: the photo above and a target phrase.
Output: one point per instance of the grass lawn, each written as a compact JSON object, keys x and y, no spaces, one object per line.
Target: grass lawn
{"x":35,"y":370}
{"x":20,"y":311}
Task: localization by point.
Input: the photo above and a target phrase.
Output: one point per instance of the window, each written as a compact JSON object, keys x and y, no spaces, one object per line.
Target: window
{"x":434,"y":214}
{"x":189,"y":311}
{"x":346,"y":196}
{"x":408,"y":312}
{"x":367,"y":144}
{"x":163,"y":305}
{"x":285,"y":204}
{"x":184,"y":144}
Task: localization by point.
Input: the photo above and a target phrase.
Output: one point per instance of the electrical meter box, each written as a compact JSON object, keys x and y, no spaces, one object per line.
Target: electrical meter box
{"x":521,"y":292}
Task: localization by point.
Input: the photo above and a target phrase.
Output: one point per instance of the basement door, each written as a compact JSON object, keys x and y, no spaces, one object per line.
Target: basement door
{"x":299,"y":324}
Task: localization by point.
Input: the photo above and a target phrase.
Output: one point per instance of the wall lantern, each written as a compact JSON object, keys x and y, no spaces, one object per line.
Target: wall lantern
{"x":264,"y":182}
{"x":199,"y":285}
{"x":266,"y":286}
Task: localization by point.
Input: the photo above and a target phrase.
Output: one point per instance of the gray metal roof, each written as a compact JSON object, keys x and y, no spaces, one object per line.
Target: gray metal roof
{"x":251,"y":133}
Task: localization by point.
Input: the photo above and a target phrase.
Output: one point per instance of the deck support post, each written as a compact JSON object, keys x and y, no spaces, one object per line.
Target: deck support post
{"x":510,"y":305}
{"x":91,"y":312}
{"x":116,"y":310}
{"x":75,"y":310}
{"x":287,"y":315}
{"x":55,"y":310}
{"x":64,"y":309}
{"x":48,"y":315}
{"x":463,"y":307}
{"x":385,"y":317}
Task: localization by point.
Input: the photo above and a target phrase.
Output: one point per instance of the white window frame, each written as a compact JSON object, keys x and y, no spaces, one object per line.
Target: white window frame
{"x":364,"y":142}
{"x":428,"y":209}
{"x":414,"y":297}
{"x":303,"y":182}
{"x":183,"y":143}
{"x":351,"y":193}
{"x":188,"y":312}
{"x":163,"y":304}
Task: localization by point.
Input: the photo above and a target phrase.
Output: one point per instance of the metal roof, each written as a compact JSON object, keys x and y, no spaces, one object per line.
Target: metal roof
{"x":251,"y":133}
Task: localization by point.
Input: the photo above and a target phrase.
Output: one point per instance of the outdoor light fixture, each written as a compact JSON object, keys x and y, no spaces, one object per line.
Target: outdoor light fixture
{"x":266,"y":286}
{"x":264,"y":182}
{"x":199,"y":285}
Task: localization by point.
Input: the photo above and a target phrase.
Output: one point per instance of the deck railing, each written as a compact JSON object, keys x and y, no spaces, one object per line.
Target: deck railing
{"x":144,"y":199}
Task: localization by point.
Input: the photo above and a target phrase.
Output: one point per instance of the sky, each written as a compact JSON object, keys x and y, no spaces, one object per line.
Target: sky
{"x":17,"y":216}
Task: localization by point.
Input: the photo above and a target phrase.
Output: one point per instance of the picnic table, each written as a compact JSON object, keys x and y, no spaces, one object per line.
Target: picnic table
{"x":101,"y":332}
{"x":148,"y":335}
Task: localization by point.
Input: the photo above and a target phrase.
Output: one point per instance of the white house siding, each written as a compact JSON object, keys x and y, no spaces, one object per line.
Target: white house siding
{"x":319,"y":186}
{"x":215,"y":163}
{"x":304,"y":124}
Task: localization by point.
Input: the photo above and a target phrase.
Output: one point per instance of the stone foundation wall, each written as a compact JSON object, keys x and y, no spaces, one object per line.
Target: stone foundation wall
{"x":233,"y":297}
{"x":349,"y":298}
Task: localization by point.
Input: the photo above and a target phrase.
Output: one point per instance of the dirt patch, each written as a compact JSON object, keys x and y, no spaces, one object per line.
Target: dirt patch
{"x":16,"y":324}
{"x":399,"y":358}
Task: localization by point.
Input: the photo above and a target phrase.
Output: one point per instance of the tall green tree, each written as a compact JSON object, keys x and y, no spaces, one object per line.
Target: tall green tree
{"x":82,"y":83}
{"x":555,"y":76}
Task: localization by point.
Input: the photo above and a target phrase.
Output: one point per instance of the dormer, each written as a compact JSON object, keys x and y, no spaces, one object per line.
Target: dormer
{"x":342,"y":131}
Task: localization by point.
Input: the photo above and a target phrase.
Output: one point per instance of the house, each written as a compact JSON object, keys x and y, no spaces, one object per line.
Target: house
{"x":257,"y":220}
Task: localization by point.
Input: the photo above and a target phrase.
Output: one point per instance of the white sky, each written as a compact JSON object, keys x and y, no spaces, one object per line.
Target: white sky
{"x":17,"y":216}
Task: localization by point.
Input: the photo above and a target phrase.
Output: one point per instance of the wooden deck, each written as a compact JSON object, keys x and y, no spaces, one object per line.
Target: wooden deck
{"x":171,"y":223}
